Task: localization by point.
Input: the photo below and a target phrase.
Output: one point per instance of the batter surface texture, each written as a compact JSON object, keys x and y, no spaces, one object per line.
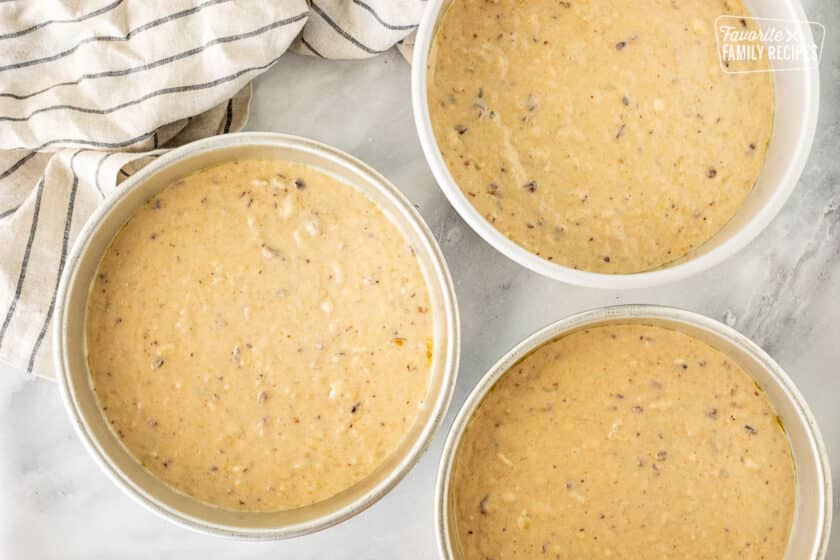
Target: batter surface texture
{"x":598,"y":135}
{"x":624,"y":441}
{"x":260,"y":335}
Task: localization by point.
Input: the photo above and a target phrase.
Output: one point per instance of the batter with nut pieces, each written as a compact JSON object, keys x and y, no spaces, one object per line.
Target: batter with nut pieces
{"x":624,"y":441}
{"x":259,"y":335}
{"x":602,"y":136}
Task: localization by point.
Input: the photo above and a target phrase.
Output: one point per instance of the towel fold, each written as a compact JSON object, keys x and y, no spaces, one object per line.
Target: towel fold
{"x":92,"y":90}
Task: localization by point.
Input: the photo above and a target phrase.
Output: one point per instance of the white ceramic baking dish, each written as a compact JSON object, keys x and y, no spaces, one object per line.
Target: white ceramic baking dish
{"x":72,"y":367}
{"x":812,"y":521}
{"x":797,"y":102}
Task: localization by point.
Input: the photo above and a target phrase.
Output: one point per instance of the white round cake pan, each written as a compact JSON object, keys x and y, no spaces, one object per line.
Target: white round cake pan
{"x":797,"y":101}
{"x":71,"y":360}
{"x":812,"y":521}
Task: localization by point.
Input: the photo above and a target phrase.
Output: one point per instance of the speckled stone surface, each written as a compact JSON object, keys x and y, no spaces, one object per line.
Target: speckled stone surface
{"x":783,"y":291}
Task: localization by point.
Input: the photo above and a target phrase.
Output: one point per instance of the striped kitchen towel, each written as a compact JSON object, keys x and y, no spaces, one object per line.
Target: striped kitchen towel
{"x":92,"y":90}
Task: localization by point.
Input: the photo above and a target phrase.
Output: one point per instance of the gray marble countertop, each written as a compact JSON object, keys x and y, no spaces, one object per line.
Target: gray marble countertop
{"x":783,"y":291}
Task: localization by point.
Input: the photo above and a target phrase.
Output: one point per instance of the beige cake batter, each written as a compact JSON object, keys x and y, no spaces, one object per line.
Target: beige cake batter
{"x":599,"y":135}
{"x":260,"y":335}
{"x":628,"y":442}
